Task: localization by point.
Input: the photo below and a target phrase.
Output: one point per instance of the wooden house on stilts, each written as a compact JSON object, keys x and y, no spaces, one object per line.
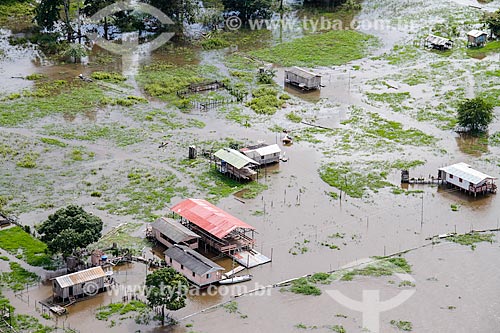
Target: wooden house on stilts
{"x":219,"y":231}
{"x":235,"y":164}
{"x":462,"y":176}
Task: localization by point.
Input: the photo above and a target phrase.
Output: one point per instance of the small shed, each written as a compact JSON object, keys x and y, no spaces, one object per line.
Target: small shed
{"x":476,"y":38}
{"x":87,"y":282}
{"x":195,"y":267}
{"x":169,"y":232}
{"x":302,"y":78}
{"x":438,"y":42}
{"x":462,"y":176}
{"x":235,"y":164}
{"x":263,"y":153}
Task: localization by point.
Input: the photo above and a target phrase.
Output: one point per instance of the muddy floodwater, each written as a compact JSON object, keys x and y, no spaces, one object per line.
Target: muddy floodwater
{"x":304,"y":224}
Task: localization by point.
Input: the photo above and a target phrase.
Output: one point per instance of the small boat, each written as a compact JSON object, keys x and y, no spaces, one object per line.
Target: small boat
{"x":58,"y":310}
{"x":236,"y":279}
{"x":287,"y":140}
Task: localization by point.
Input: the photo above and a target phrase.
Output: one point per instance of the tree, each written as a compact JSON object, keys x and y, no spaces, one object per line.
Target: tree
{"x":475,"y":114}
{"x":68,"y":229}
{"x":179,"y":11}
{"x":266,"y":76}
{"x":249,"y":9}
{"x":493,"y":22}
{"x":75,"y":52}
{"x":91,"y":7}
{"x":166,"y":288}
{"x":48,"y":13}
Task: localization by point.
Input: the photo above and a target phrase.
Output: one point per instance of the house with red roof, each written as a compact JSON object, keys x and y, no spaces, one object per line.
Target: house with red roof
{"x":219,"y":231}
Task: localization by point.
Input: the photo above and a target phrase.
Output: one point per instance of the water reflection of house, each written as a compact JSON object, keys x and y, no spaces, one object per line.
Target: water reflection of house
{"x":220,"y":231}
{"x":195,"y":267}
{"x":84,"y":283}
{"x":302,"y":78}
{"x":438,"y":42}
{"x":235,"y":164}
{"x":169,"y":232}
{"x":465,"y":178}
{"x":476,"y":38}
{"x":263,"y":153}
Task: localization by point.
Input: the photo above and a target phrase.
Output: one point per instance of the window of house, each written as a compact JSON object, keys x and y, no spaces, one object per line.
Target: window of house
{"x":262,"y":157}
{"x":194,"y":274}
{"x":451,"y":176}
{"x":208,"y":276}
{"x":170,"y":260}
{"x":182,"y":266}
{"x":460,"y":179}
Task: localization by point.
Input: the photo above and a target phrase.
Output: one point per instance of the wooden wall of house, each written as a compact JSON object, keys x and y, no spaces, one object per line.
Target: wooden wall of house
{"x":456,"y":181}
{"x":196,"y":279}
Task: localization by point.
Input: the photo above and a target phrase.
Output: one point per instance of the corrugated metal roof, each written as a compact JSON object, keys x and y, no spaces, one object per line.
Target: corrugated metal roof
{"x":173,"y":229}
{"x":437,"y":40}
{"x":464,"y":171}
{"x":86,"y":275}
{"x":209,"y":217}
{"x":302,"y":72}
{"x":192,"y":260}
{"x":476,"y":33}
{"x":234,"y":158}
{"x":268,"y":150}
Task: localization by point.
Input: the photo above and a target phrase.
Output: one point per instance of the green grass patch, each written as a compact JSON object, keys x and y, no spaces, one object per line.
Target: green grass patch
{"x":58,"y":97}
{"x":145,"y":192}
{"x":294,"y":117}
{"x":214,"y":43}
{"x":28,"y":161}
{"x":481,"y":52}
{"x":108,"y":77}
{"x":335,"y":47}
{"x":18,"y":278}
{"x":402,"y":325}
{"x":120,"y":134}
{"x":53,"y":142}
{"x":164,"y":80}
{"x":219,"y":186}
{"x":394,"y":100}
{"x":123,"y":238}
{"x":471,"y":239}
{"x":265,"y":100}
{"x":381,"y":267}
{"x":17,"y":14}
{"x":338,"y":329}
{"x":105,"y":312}
{"x":401,"y":54}
{"x":354,"y":182}
{"x":15,"y":240}
{"x":303,"y":286}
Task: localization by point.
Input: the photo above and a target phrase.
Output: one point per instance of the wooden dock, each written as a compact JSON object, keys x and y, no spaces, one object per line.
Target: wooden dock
{"x":426,"y":181}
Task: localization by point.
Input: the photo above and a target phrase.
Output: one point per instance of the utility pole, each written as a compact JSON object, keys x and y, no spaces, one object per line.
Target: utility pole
{"x":422,"y":213}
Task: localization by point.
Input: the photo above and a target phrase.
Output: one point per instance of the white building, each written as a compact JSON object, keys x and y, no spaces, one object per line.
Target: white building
{"x":263,"y":154}
{"x":468,"y":179}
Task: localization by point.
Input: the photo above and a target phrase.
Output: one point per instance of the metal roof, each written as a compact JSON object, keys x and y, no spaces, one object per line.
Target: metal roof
{"x":192,"y":260}
{"x":476,"y":33}
{"x":437,"y":40}
{"x":234,"y":158}
{"x":302,"y":72}
{"x":464,"y":171}
{"x":209,"y":217}
{"x":268,"y":150}
{"x":173,"y":229}
{"x":86,"y":275}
